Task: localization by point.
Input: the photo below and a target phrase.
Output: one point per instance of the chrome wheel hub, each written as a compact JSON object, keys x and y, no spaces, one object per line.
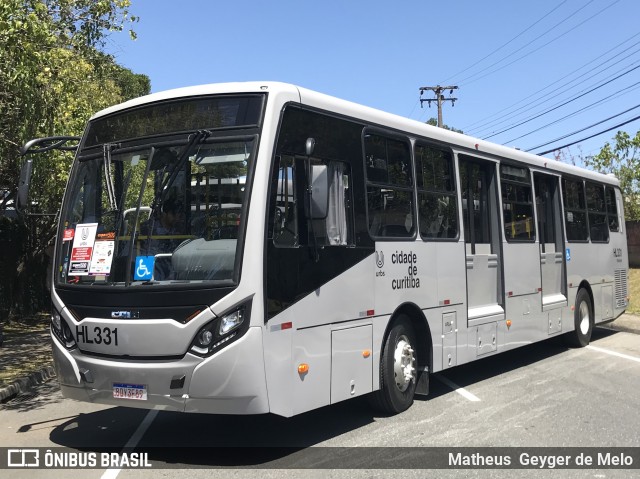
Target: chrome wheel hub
{"x":584,"y":318}
{"x":404,"y":362}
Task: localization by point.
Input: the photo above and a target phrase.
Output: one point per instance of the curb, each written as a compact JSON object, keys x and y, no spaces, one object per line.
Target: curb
{"x":23,"y":384}
{"x":619,"y":328}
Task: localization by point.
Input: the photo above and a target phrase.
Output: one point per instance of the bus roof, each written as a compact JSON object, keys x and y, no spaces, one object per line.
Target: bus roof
{"x":460,"y":142}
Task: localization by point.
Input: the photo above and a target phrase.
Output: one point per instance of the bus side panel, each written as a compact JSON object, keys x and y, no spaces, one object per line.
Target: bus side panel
{"x":521,"y":269}
{"x":528,"y":322}
{"x":619,"y":248}
{"x":230,"y":382}
{"x":452,"y":295}
{"x":452,"y":271}
{"x":595,"y":263}
{"x":405,"y":273}
{"x":345,"y":301}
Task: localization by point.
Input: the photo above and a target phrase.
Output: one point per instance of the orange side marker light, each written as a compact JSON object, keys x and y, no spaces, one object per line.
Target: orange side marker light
{"x":303,"y":368}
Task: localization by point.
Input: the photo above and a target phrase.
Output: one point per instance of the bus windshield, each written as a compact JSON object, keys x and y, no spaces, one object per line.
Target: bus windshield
{"x":156,"y":213}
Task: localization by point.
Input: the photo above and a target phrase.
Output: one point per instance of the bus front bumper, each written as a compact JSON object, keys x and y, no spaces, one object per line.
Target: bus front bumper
{"x":232,"y":381}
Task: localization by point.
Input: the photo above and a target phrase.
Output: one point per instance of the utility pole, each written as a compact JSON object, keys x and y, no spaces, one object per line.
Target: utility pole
{"x":439,"y":98}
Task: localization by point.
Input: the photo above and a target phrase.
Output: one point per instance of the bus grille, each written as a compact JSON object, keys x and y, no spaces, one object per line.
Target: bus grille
{"x":621,"y":288}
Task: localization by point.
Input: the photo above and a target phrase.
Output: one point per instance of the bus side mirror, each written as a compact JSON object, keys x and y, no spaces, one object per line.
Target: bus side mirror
{"x":317,"y":200}
{"x":319,"y":197}
{"x":23,"y":186}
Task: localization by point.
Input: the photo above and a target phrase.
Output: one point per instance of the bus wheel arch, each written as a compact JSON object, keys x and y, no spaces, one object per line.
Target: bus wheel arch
{"x":406,"y":347}
{"x":583,"y":317}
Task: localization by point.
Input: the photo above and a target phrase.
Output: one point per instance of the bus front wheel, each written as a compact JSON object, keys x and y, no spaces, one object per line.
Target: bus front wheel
{"x":398,"y":369}
{"x":583,"y":321}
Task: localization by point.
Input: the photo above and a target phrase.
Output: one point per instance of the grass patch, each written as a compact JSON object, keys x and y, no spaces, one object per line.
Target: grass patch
{"x":30,"y":336}
{"x":634,"y":291}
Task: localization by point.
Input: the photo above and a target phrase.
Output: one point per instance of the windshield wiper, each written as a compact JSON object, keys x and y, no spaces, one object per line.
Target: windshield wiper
{"x":167,"y":182}
{"x":107,"y":148}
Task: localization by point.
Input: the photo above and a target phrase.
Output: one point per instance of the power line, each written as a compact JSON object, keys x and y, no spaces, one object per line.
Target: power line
{"x":603,"y":82}
{"x":588,"y":107}
{"x":508,"y":118}
{"x":527,"y":44}
{"x":536,"y":49}
{"x":585,"y":128}
{"x":507,"y":43}
{"x":589,"y":137}
{"x":563,"y":104}
{"x":488,"y":124}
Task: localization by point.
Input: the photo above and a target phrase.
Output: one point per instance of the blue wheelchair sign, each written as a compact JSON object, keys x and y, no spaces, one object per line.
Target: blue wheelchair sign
{"x":144,"y":268}
{"x":568,"y":254}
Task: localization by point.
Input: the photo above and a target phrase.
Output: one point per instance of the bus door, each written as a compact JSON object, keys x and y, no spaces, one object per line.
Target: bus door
{"x":478,"y":184}
{"x":552,"y":257}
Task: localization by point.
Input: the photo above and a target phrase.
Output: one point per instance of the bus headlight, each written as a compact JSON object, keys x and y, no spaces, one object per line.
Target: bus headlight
{"x":221,"y":331}
{"x":205,"y":337}
{"x":231,"y":321}
{"x":56,"y":321}
{"x":61,"y":330}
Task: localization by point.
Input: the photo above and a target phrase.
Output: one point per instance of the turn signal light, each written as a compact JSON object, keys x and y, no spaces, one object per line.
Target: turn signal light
{"x":303,"y":368}
{"x":366,"y":353}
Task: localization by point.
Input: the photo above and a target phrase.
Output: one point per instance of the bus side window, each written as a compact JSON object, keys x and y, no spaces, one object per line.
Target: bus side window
{"x":598,"y":228}
{"x":437,"y":212}
{"x":575,"y":214}
{"x":335,"y":229}
{"x":517,"y":204}
{"x":389,"y":187}
{"x":612,"y":209}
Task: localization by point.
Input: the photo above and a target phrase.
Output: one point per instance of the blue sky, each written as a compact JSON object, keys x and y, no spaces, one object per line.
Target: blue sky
{"x":503,"y":55}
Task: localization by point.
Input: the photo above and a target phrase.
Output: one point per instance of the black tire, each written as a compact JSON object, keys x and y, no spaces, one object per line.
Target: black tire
{"x":583,"y":321}
{"x":397,"y":384}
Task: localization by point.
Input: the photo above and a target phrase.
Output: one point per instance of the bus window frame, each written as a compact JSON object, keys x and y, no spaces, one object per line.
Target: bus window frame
{"x":605,"y":214}
{"x":534,"y":215}
{"x":565,"y":177}
{"x":455,"y":193}
{"x":411,"y":189}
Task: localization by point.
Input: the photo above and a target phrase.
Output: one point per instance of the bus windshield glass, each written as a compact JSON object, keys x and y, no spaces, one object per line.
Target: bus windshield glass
{"x":156,"y":213}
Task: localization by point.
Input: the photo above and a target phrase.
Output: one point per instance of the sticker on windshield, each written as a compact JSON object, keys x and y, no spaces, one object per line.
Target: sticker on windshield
{"x":82,"y":249}
{"x":144,"y":268}
{"x":102,"y":257}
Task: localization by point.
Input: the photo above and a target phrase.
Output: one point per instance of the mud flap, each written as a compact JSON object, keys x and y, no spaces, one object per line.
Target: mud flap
{"x":422,"y":384}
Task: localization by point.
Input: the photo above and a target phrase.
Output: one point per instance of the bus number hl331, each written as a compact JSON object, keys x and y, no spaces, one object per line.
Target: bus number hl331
{"x":97,"y":335}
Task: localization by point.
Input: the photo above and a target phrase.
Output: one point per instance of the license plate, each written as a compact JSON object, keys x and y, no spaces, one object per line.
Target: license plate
{"x":130,"y":391}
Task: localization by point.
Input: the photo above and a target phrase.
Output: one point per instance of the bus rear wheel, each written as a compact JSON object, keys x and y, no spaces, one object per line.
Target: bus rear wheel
{"x":583,"y":321}
{"x":398,"y":369}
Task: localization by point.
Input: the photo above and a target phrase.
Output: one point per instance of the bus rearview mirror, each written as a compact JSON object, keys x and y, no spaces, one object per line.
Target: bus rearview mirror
{"x":23,"y":185}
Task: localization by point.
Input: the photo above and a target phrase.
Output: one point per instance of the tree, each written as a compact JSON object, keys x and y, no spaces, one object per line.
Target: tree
{"x":53,"y":77}
{"x":623,"y":160}
{"x":434,"y":122}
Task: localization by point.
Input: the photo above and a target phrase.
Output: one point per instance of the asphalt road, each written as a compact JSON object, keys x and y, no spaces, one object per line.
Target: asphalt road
{"x":543,"y":395}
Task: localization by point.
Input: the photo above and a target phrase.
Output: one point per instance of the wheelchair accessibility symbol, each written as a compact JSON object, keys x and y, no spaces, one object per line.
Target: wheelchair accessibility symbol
{"x":144,"y":268}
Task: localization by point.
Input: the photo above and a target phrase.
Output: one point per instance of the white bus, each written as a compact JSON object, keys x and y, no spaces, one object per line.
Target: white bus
{"x":283,"y":250}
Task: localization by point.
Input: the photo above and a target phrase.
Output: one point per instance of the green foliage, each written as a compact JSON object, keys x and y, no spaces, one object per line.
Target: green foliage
{"x":623,"y":160}
{"x":434,"y":122}
{"x":53,"y":77}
